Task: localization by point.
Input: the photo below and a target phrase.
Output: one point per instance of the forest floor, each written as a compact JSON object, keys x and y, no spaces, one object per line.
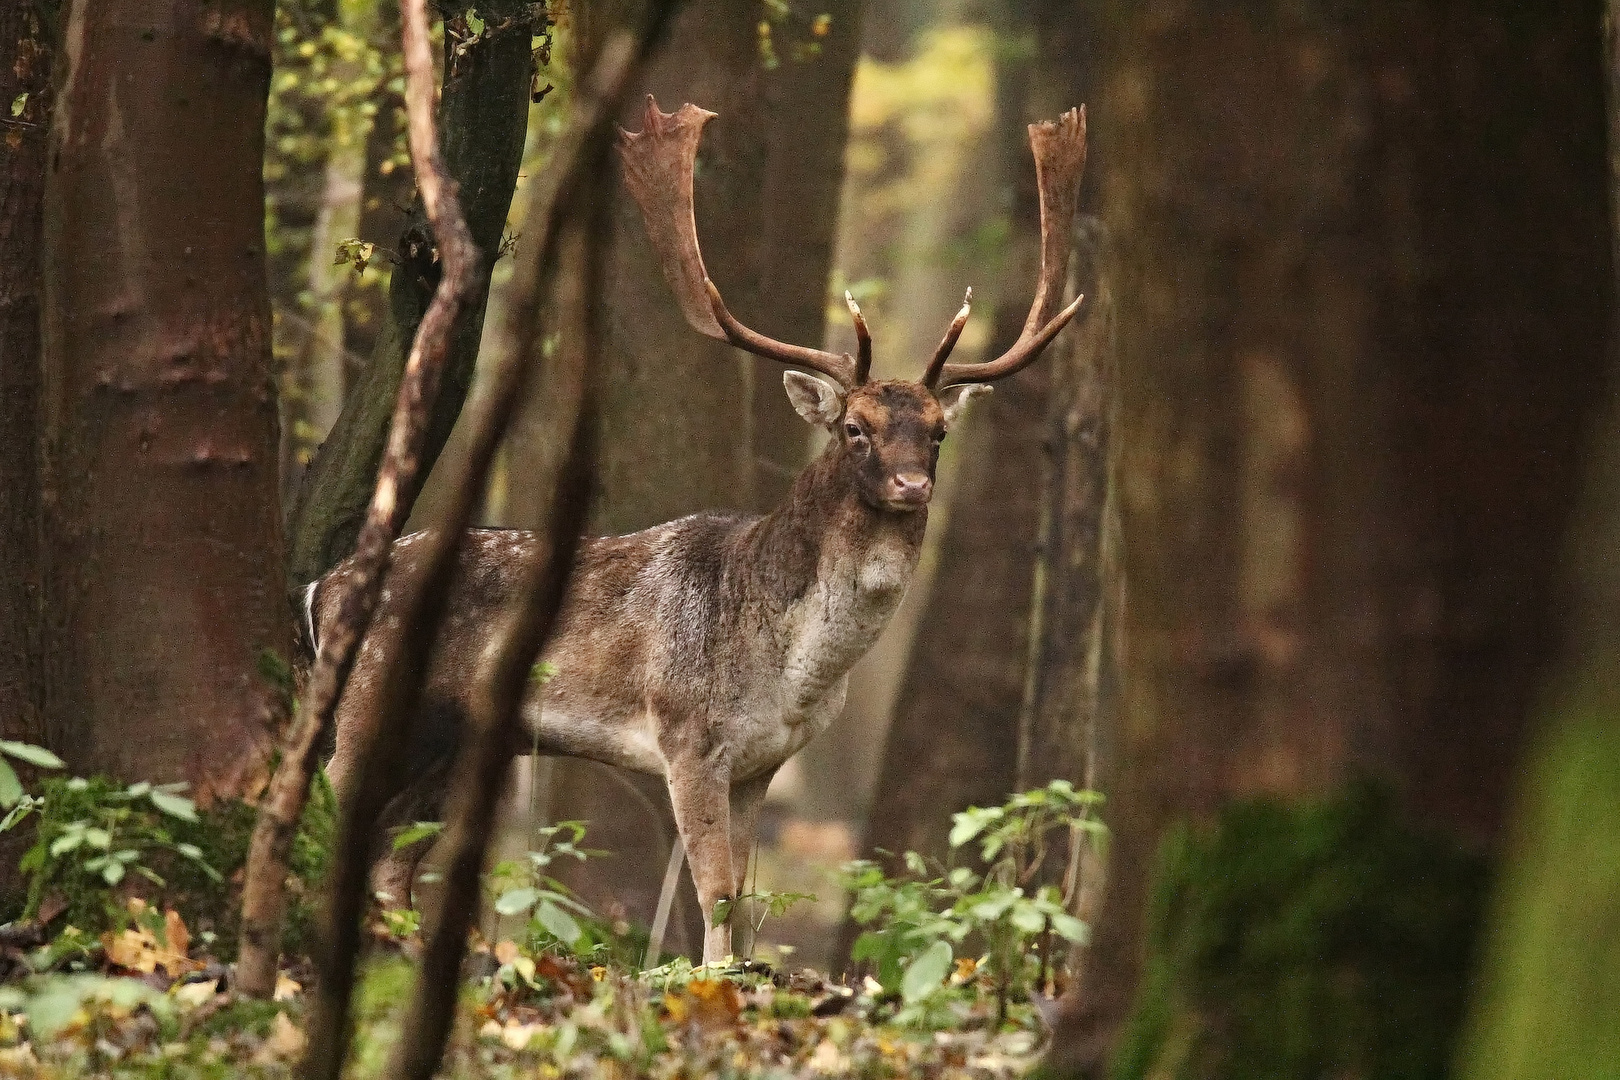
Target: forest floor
{"x":145,"y":1009}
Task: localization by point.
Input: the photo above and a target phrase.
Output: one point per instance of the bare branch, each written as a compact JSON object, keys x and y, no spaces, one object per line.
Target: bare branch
{"x":264,"y":893}
{"x":567,"y":186}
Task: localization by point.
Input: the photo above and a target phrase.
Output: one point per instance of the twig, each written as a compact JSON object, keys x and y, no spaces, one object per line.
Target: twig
{"x":264,"y":892}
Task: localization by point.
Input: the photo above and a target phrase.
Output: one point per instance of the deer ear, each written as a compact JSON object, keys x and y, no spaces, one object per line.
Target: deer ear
{"x":817,"y":400}
{"x":955,"y":399}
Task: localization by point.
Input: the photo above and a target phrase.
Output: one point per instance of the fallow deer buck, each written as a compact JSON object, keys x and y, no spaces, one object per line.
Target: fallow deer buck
{"x":710,"y":649}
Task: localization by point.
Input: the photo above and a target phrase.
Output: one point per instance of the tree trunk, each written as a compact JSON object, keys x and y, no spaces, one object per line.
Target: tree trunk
{"x":1548,"y":987}
{"x":484,"y":116}
{"x":1350,"y":440}
{"x":161,"y":414}
{"x":953,"y":741}
{"x":26,"y":52}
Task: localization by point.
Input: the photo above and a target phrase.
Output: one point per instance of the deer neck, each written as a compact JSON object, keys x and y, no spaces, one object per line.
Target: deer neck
{"x":833,"y":569}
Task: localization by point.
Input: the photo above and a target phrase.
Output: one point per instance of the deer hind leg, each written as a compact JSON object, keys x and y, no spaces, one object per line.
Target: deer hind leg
{"x":747,"y":798}
{"x":699,"y":791}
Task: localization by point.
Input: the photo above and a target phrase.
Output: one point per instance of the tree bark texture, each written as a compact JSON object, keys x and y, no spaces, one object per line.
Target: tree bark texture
{"x":26,"y":54}
{"x":690,"y":424}
{"x":953,"y":740}
{"x":1075,"y":574}
{"x":161,"y":418}
{"x":484,"y":114}
{"x":1363,"y":302}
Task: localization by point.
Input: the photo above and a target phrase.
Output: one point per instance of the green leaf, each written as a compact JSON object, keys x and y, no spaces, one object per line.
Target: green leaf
{"x":417,"y":831}
{"x":34,"y":755}
{"x":138,"y":789}
{"x":177,"y":806}
{"x":516,"y":901}
{"x":558,"y":923}
{"x":18,"y":104}
{"x":722,"y":911}
{"x":1027,"y":919}
{"x":926,"y":972}
{"x":1067,"y":926}
{"x":113,"y":872}
{"x":98,"y":838}
{"x":11,"y":789}
{"x":67,"y":842}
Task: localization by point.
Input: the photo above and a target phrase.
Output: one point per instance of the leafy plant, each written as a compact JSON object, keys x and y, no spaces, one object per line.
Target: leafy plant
{"x":17,"y":803}
{"x":917,"y":922}
{"x":525,"y":887}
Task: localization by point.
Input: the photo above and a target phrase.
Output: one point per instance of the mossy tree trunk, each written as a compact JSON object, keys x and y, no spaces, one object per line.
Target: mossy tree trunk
{"x":484,"y":117}
{"x":161,"y":417}
{"x":1548,"y":989}
{"x":1363,"y":305}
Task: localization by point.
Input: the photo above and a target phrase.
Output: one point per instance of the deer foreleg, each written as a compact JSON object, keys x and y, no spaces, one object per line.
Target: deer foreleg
{"x":699,"y":791}
{"x":747,"y":798}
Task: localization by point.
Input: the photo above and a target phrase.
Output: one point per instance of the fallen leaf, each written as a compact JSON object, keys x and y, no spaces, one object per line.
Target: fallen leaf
{"x":287,"y":989}
{"x":827,"y":1059}
{"x":518,"y":1036}
{"x":194,"y":994}
{"x":506,"y":951}
{"x":285,"y":1041}
{"x":174,"y":930}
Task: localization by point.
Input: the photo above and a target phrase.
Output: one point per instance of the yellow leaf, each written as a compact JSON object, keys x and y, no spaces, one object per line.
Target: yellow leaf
{"x":506,"y":951}
{"x":194,"y":994}
{"x":287,"y":989}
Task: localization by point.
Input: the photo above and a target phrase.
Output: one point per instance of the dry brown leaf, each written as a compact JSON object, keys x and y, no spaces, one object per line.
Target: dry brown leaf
{"x":174,"y":929}
{"x":284,"y":1042}
{"x":506,"y":951}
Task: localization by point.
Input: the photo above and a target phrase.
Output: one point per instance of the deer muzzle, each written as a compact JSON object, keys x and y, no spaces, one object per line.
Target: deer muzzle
{"x":908,"y":490}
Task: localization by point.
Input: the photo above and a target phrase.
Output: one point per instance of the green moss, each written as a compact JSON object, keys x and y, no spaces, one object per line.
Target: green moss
{"x":1548,"y":1006}
{"x":1304,"y":942}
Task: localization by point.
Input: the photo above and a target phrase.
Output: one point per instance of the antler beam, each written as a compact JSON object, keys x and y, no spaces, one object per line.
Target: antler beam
{"x":1060,"y":161}
{"x":658,"y":162}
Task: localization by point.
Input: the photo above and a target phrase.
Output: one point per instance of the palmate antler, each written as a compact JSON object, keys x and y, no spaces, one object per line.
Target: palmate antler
{"x":658,"y":162}
{"x":1060,"y":160}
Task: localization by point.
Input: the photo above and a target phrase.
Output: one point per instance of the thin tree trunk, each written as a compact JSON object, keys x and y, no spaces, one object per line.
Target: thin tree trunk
{"x":162,"y":416}
{"x":953,"y":741}
{"x":320,"y":376}
{"x":1056,"y":727}
{"x":1350,"y":439}
{"x":484,"y":114}
{"x":26,"y":53}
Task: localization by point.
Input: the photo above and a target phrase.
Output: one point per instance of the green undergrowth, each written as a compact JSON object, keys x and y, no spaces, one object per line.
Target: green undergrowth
{"x":1304,"y":942}
{"x":171,"y":853}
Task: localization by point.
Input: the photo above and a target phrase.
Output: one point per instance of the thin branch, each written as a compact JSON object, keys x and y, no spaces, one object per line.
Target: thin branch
{"x":264,"y":891}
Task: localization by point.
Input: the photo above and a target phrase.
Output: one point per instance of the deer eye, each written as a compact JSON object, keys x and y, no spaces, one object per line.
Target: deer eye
{"x":853,"y":431}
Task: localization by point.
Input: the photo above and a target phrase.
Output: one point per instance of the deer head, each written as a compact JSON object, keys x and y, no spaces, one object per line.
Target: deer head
{"x":889,"y":430}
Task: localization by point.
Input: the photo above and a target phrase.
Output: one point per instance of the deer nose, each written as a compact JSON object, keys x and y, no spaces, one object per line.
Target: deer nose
{"x":911,"y":487}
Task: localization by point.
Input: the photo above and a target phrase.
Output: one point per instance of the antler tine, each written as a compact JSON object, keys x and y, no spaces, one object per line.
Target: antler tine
{"x":863,"y":358}
{"x":941,"y":354}
{"x":658,"y":163}
{"x":1060,"y":160}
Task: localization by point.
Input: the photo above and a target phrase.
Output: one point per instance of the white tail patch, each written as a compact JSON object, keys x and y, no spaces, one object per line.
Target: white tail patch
{"x":309,"y":615}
